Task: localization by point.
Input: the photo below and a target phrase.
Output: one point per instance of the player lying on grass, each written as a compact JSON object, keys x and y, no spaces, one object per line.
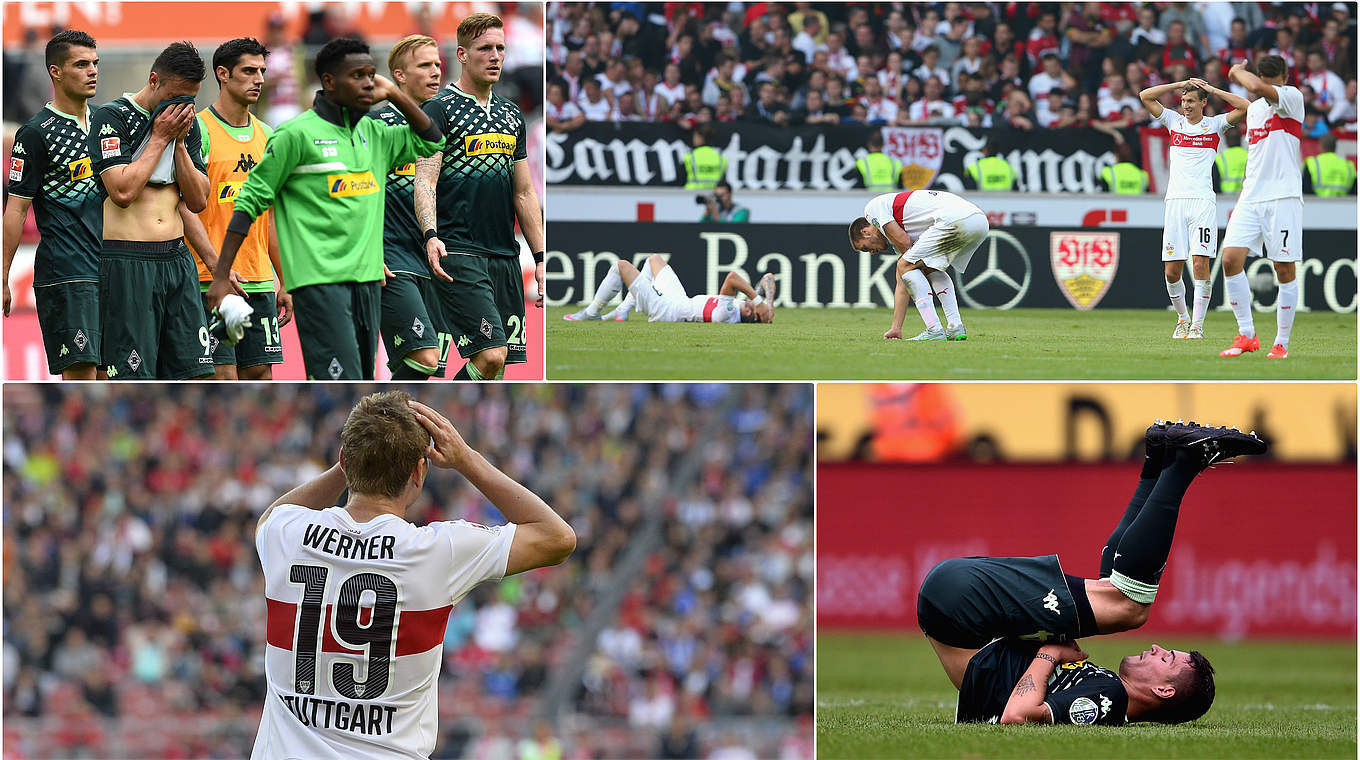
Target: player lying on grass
{"x":1005,"y":628}
{"x":930,"y":230}
{"x":657,"y":293}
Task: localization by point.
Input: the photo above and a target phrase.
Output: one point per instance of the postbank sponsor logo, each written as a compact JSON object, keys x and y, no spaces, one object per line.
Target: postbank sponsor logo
{"x":487,"y":144}
{"x":405,"y":170}
{"x":351,"y":184}
{"x":227,"y":191}
{"x":80,"y":169}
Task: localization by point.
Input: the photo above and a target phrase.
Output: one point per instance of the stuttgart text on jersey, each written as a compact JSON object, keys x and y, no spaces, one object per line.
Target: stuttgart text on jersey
{"x":358,"y":717}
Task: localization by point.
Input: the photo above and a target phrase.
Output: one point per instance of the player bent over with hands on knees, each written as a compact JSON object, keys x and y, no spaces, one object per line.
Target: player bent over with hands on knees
{"x":931,"y":230}
{"x":1190,"y":218}
{"x":1005,"y":628}
{"x":656,"y":291}
{"x":358,"y":597}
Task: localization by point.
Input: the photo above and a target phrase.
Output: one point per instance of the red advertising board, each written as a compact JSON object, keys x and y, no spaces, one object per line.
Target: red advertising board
{"x":24,"y":359}
{"x":1260,"y":549}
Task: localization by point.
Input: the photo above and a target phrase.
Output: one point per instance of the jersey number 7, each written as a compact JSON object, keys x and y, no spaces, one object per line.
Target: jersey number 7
{"x":378,"y":638}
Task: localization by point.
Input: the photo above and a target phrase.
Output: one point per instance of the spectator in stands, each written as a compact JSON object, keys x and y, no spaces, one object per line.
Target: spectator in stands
{"x":1112,"y":106}
{"x":1049,"y":78}
{"x":1343,"y":115}
{"x":721,"y":80}
{"x":1004,"y":44}
{"x":1193,"y":31}
{"x":814,"y":110}
{"x":969,"y":60}
{"x":1018,"y":111}
{"x":898,"y":35}
{"x":1336,"y":48}
{"x":932,"y":106}
{"x":879,"y":110}
{"x":593,"y":102}
{"x":1008,"y":77}
{"x":1043,"y":38}
{"x":1048,"y":110}
{"x":573,"y":73}
{"x":838,"y":59}
{"x":806,"y":42}
{"x":671,"y":88}
{"x":837,"y":101}
{"x":562,"y":114}
{"x":927,"y":31}
{"x":767,"y":109}
{"x":614,"y":80}
{"x":1178,"y":50}
{"x":1088,"y":36}
{"x":626,"y":109}
{"x":930,"y":67}
{"x":1327,"y":86}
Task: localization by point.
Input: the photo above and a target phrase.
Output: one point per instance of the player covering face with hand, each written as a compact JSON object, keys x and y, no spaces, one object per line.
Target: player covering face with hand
{"x":1005,"y":628}
{"x":657,"y":292}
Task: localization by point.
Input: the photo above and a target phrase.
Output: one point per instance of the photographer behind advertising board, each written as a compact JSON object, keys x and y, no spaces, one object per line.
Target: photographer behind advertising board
{"x":719,"y":207}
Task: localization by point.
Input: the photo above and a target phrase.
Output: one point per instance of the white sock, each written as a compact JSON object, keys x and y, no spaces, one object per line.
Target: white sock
{"x":919,"y":288}
{"x":1204,"y":291}
{"x":629,"y":303}
{"x":1239,"y":298}
{"x":1177,"y":292}
{"x":609,"y":287}
{"x":1285,"y":306}
{"x":944,"y":290}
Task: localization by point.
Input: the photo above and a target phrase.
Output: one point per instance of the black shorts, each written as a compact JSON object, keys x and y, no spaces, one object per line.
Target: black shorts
{"x":337,"y":327}
{"x":260,"y":344}
{"x":68,"y":316}
{"x":484,"y":305}
{"x":151,"y":312}
{"x":411,"y":319}
{"x":968,"y":601}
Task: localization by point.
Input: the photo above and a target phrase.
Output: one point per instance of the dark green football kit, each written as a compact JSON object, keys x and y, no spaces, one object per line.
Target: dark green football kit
{"x":484,"y":305}
{"x":50,"y":166}
{"x":410,"y":305}
{"x":150,"y":308}
{"x":1078,"y":693}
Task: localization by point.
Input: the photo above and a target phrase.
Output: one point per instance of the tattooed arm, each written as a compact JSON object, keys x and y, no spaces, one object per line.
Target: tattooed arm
{"x":427,"y":176}
{"x":1026,"y":704}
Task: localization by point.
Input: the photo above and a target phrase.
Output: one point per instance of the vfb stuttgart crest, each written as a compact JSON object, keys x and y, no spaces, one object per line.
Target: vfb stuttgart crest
{"x":1084,"y":264}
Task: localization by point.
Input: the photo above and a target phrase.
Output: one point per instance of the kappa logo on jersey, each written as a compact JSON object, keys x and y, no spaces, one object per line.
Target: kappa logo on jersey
{"x":18,"y":149}
{"x":352,"y":184}
{"x":16,"y":169}
{"x":107,"y":129}
{"x":405,"y":170}
{"x":64,"y":350}
{"x":47,"y":123}
{"x":227,"y":191}
{"x":109,"y":147}
{"x":80,"y":169}
{"x":1051,"y":602}
{"x":1105,"y":705}
{"x":246,"y":163}
{"x":1083,"y":712}
{"x":489,"y":144}
{"x":463,"y":341}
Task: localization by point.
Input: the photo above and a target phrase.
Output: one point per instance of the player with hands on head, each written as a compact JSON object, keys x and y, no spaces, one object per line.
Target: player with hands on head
{"x":1190,"y":229}
{"x":1004,"y":628}
{"x":359,"y":598}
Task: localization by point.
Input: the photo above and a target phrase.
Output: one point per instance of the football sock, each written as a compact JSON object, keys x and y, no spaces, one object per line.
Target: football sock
{"x":1177,"y":292}
{"x":1285,"y":306}
{"x":944,"y":290}
{"x":1239,"y":297}
{"x":468,"y":372}
{"x":919,"y":288}
{"x":609,"y":287}
{"x":1204,"y":290}
{"x":1152,"y":467}
{"x":1146,"y":544}
{"x":410,"y":369}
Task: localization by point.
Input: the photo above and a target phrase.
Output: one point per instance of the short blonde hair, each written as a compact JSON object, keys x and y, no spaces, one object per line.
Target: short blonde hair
{"x":402,"y":50}
{"x":475,"y":26}
{"x":382,"y":441}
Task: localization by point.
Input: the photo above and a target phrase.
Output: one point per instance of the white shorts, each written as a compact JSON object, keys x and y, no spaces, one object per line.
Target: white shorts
{"x":1278,"y":224}
{"x":1191,"y":229}
{"x":661,"y":297}
{"x":950,"y":242}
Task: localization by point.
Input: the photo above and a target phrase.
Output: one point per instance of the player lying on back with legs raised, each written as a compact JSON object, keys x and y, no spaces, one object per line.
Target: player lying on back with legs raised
{"x":930,"y":230}
{"x":656,"y":292}
{"x":1005,"y":628}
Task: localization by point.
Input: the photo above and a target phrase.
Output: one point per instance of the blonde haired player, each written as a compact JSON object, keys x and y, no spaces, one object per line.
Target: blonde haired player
{"x":931,"y":230}
{"x":1268,"y":217}
{"x":1191,"y":223}
{"x":358,"y":597}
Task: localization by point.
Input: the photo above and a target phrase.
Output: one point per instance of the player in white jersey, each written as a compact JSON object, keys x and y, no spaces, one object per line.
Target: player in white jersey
{"x":358,"y":598}
{"x":1269,"y":212}
{"x":931,"y":230}
{"x":657,"y":292}
{"x":1191,"y":225}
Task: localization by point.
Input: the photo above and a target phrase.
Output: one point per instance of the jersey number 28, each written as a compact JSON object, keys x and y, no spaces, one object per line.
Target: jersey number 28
{"x":378,"y":638}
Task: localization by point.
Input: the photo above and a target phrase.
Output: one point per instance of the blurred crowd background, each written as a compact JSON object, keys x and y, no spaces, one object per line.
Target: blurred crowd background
{"x":682,"y":627}
{"x":1025,"y":65}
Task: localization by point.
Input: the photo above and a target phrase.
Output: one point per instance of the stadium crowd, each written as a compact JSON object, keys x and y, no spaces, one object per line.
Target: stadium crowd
{"x":1025,"y":65}
{"x":134,"y":600}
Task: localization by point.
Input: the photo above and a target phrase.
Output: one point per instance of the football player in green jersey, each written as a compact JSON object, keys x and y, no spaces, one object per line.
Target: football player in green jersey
{"x":49,"y":169}
{"x":467,"y":200}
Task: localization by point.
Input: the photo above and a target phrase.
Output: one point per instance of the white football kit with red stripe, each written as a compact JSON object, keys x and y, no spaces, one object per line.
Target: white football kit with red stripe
{"x":1269,"y":212}
{"x":357,"y":614}
{"x":663,"y":299}
{"x":945,"y":229}
{"x":1190,"y":227}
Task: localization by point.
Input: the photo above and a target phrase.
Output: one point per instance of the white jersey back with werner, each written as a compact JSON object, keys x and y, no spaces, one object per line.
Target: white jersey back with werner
{"x":917,"y":210}
{"x":357,"y":614}
{"x":1191,"y":156}
{"x":1274,"y":165}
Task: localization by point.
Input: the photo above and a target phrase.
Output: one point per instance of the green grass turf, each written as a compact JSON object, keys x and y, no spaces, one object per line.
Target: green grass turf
{"x":885,"y":695}
{"x":1022,"y":344}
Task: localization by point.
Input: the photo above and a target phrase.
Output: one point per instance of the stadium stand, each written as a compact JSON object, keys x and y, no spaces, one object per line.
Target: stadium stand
{"x":683,"y":623}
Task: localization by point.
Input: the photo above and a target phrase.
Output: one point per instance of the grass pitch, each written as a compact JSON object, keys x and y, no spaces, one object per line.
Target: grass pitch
{"x":1022,"y":344}
{"x":885,"y":695}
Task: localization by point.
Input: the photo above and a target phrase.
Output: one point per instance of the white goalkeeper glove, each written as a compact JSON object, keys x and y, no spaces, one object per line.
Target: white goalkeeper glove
{"x":234,"y":314}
